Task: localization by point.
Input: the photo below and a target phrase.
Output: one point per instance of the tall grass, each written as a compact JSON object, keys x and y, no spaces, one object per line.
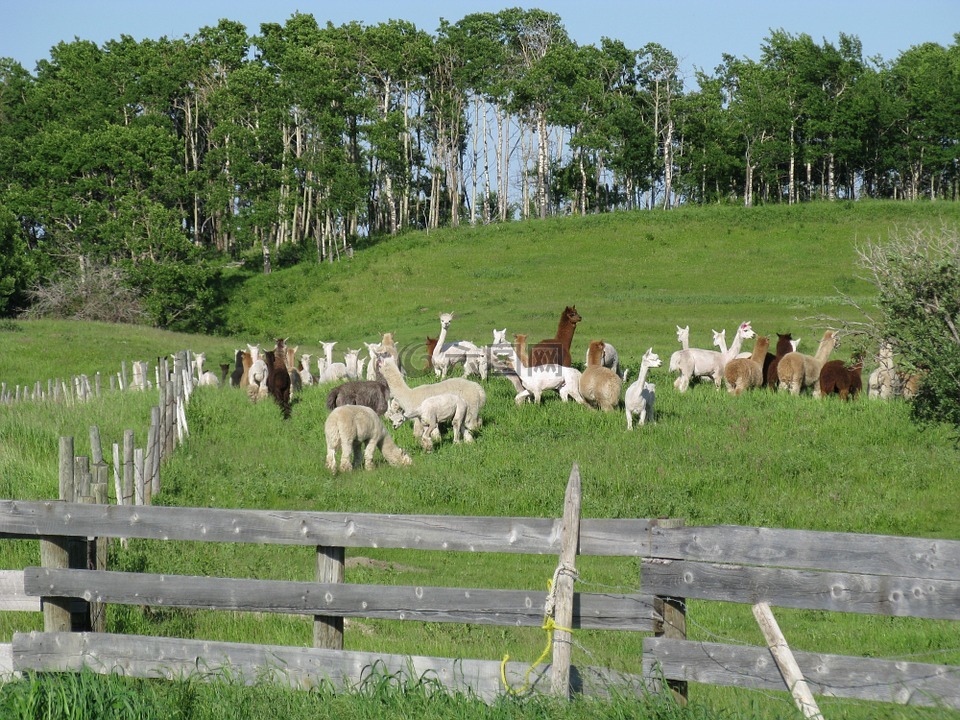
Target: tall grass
{"x":760,"y":459}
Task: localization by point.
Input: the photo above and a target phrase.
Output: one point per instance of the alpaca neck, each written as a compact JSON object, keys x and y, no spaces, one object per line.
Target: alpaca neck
{"x":760,"y":350}
{"x":596,"y":356}
{"x":825,"y":348}
{"x":441,"y":339}
{"x":721,"y":342}
{"x":398,"y":387}
{"x":642,"y":375}
{"x":735,"y":347}
{"x":685,"y":340}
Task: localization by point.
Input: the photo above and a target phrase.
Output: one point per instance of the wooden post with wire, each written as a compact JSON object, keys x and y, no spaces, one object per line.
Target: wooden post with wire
{"x":786,"y":662}
{"x":563,"y":587}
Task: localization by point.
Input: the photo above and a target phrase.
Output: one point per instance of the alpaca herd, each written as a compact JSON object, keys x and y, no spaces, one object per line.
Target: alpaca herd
{"x":369,"y":390}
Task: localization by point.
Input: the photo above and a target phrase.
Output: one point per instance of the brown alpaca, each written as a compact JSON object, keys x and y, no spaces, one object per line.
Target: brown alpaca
{"x":520,"y":345}
{"x":278,"y":377}
{"x":747,"y":373}
{"x":431,"y":346}
{"x":246,"y":359}
{"x":836,"y":378}
{"x":556,"y":350}
{"x":770,"y":375}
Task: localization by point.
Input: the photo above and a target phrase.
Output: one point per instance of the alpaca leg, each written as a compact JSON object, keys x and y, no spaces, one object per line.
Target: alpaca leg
{"x":346,"y":454}
{"x":629,"y":419}
{"x":332,"y":454}
{"x":521,"y":397}
{"x":368,"y":452}
{"x":426,"y":437}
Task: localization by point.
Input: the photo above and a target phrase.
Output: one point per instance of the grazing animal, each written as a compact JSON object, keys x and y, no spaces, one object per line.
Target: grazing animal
{"x":537,"y":379}
{"x":237,"y":376}
{"x":696,"y":362}
{"x":747,"y":373}
{"x":838,"y":378}
{"x":410,"y":398}
{"x":462,"y":352}
{"x":278,"y":378}
{"x":638,"y":401}
{"x":798,"y":371}
{"x":374,"y":394}
{"x":881,"y":382}
{"x":204,"y":377}
{"x":257,"y":376}
{"x":770,"y":374}
{"x":349,"y":426}
{"x":556,"y":350}
{"x":427,"y":417}
{"x":600,"y":386}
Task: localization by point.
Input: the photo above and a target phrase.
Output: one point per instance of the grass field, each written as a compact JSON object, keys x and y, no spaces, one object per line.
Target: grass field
{"x":760,"y":459}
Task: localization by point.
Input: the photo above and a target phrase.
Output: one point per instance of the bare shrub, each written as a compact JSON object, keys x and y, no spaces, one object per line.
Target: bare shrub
{"x":96,"y":292}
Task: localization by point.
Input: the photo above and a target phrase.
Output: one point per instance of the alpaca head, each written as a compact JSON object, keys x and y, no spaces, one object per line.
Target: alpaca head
{"x":499,"y":336}
{"x":784,"y":344}
{"x":651,"y":359}
{"x":745,"y":331}
{"x":305,"y":361}
{"x":387,"y":340}
{"x":445,"y":319}
{"x":328,"y":346}
{"x":683,"y":333}
{"x":571,"y":314}
{"x":719,"y":337}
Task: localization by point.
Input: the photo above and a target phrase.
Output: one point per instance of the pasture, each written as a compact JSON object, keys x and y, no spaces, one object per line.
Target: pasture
{"x":757,"y":459}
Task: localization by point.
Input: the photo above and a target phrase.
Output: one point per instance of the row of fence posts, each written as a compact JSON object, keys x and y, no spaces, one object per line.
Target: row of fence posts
{"x":136,"y":479}
{"x":79,"y":388}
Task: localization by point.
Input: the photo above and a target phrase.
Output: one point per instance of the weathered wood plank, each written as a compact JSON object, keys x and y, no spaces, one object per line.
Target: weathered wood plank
{"x":837,"y":592}
{"x":303,"y":668}
{"x":904,"y":683}
{"x":427,"y":604}
{"x":6,"y":662}
{"x":807,"y":549}
{"x":12,"y":595}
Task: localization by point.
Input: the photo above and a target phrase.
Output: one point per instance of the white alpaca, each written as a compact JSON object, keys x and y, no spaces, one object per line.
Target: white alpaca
{"x":373,"y":349}
{"x":257,"y":377}
{"x":696,"y":363}
{"x":444,"y":408}
{"x":204,"y":378}
{"x":306,"y":377}
{"x":882,"y":381}
{"x":540,"y":378}
{"x":639,"y":398}
{"x":332,"y":371}
{"x":683,"y":337}
{"x":349,"y":426}
{"x":446,"y":355}
{"x":410,"y":398}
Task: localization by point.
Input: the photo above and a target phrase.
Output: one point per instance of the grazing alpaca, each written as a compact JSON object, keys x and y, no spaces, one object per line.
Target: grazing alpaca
{"x":639,"y":398}
{"x":278,"y":377}
{"x":374,"y":394}
{"x":771,"y":375}
{"x":747,"y":373}
{"x":600,"y":386}
{"x":446,"y":355}
{"x":537,"y":379}
{"x":837,"y":378}
{"x":696,"y":362}
{"x":410,"y":398}
{"x":239,"y":369}
{"x":204,"y":378}
{"x":428,"y":416}
{"x":349,"y":426}
{"x":798,"y":371}
{"x":556,"y":350}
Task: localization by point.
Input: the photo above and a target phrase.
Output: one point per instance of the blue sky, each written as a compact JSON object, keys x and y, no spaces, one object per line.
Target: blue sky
{"x":698,"y":32}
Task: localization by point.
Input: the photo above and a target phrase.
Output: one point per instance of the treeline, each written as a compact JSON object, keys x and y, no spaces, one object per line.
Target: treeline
{"x":155,"y":158}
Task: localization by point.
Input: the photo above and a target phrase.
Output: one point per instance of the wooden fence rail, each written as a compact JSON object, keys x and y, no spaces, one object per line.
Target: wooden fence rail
{"x":786,"y":568}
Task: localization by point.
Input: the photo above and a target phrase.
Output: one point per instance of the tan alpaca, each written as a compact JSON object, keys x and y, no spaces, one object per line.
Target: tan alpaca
{"x":600,"y":386}
{"x":798,"y":371}
{"x":349,"y":426}
{"x":747,"y":373}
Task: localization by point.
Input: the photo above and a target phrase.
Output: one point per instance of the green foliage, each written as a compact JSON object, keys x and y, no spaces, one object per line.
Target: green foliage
{"x":16,"y":266}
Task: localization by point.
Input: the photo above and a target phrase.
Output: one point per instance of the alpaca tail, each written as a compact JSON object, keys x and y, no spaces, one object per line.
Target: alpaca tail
{"x":332,"y":398}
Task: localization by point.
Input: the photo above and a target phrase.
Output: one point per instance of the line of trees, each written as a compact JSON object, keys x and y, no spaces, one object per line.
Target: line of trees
{"x":156,"y":156}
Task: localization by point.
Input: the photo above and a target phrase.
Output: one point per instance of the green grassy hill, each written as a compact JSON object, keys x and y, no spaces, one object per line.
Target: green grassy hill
{"x":760,"y":459}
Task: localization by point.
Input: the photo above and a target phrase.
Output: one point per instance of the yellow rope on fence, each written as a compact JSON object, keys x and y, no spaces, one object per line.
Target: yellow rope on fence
{"x":550,"y":626}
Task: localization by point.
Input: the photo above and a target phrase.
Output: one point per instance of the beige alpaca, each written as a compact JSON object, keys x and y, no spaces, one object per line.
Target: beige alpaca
{"x":600,"y":386}
{"x":798,"y":371}
{"x":349,"y":426}
{"x":747,"y":373}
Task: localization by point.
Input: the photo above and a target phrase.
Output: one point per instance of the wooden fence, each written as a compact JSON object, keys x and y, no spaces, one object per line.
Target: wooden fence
{"x":763,"y":567}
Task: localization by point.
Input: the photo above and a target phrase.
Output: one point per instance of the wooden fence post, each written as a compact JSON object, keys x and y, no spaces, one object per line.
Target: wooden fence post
{"x":785,"y":660}
{"x":673,"y":619}
{"x":563,"y":587}
{"x":55,"y":552}
{"x":328,"y":630}
{"x":127,"y":468}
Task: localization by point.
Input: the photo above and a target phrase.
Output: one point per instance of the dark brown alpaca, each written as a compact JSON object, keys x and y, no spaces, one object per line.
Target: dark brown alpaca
{"x":556,"y":350}
{"x":770,"y":376}
{"x":431,"y":346}
{"x":278,"y":377}
{"x":836,"y":378}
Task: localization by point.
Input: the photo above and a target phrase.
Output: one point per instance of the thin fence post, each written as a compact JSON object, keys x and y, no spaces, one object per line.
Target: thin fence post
{"x":138,"y":476}
{"x":562,"y":589}
{"x":127,"y":468}
{"x":96,"y":450}
{"x":328,"y":630}
{"x":55,"y":551}
{"x":673,"y":618}
{"x":97,"y":554}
